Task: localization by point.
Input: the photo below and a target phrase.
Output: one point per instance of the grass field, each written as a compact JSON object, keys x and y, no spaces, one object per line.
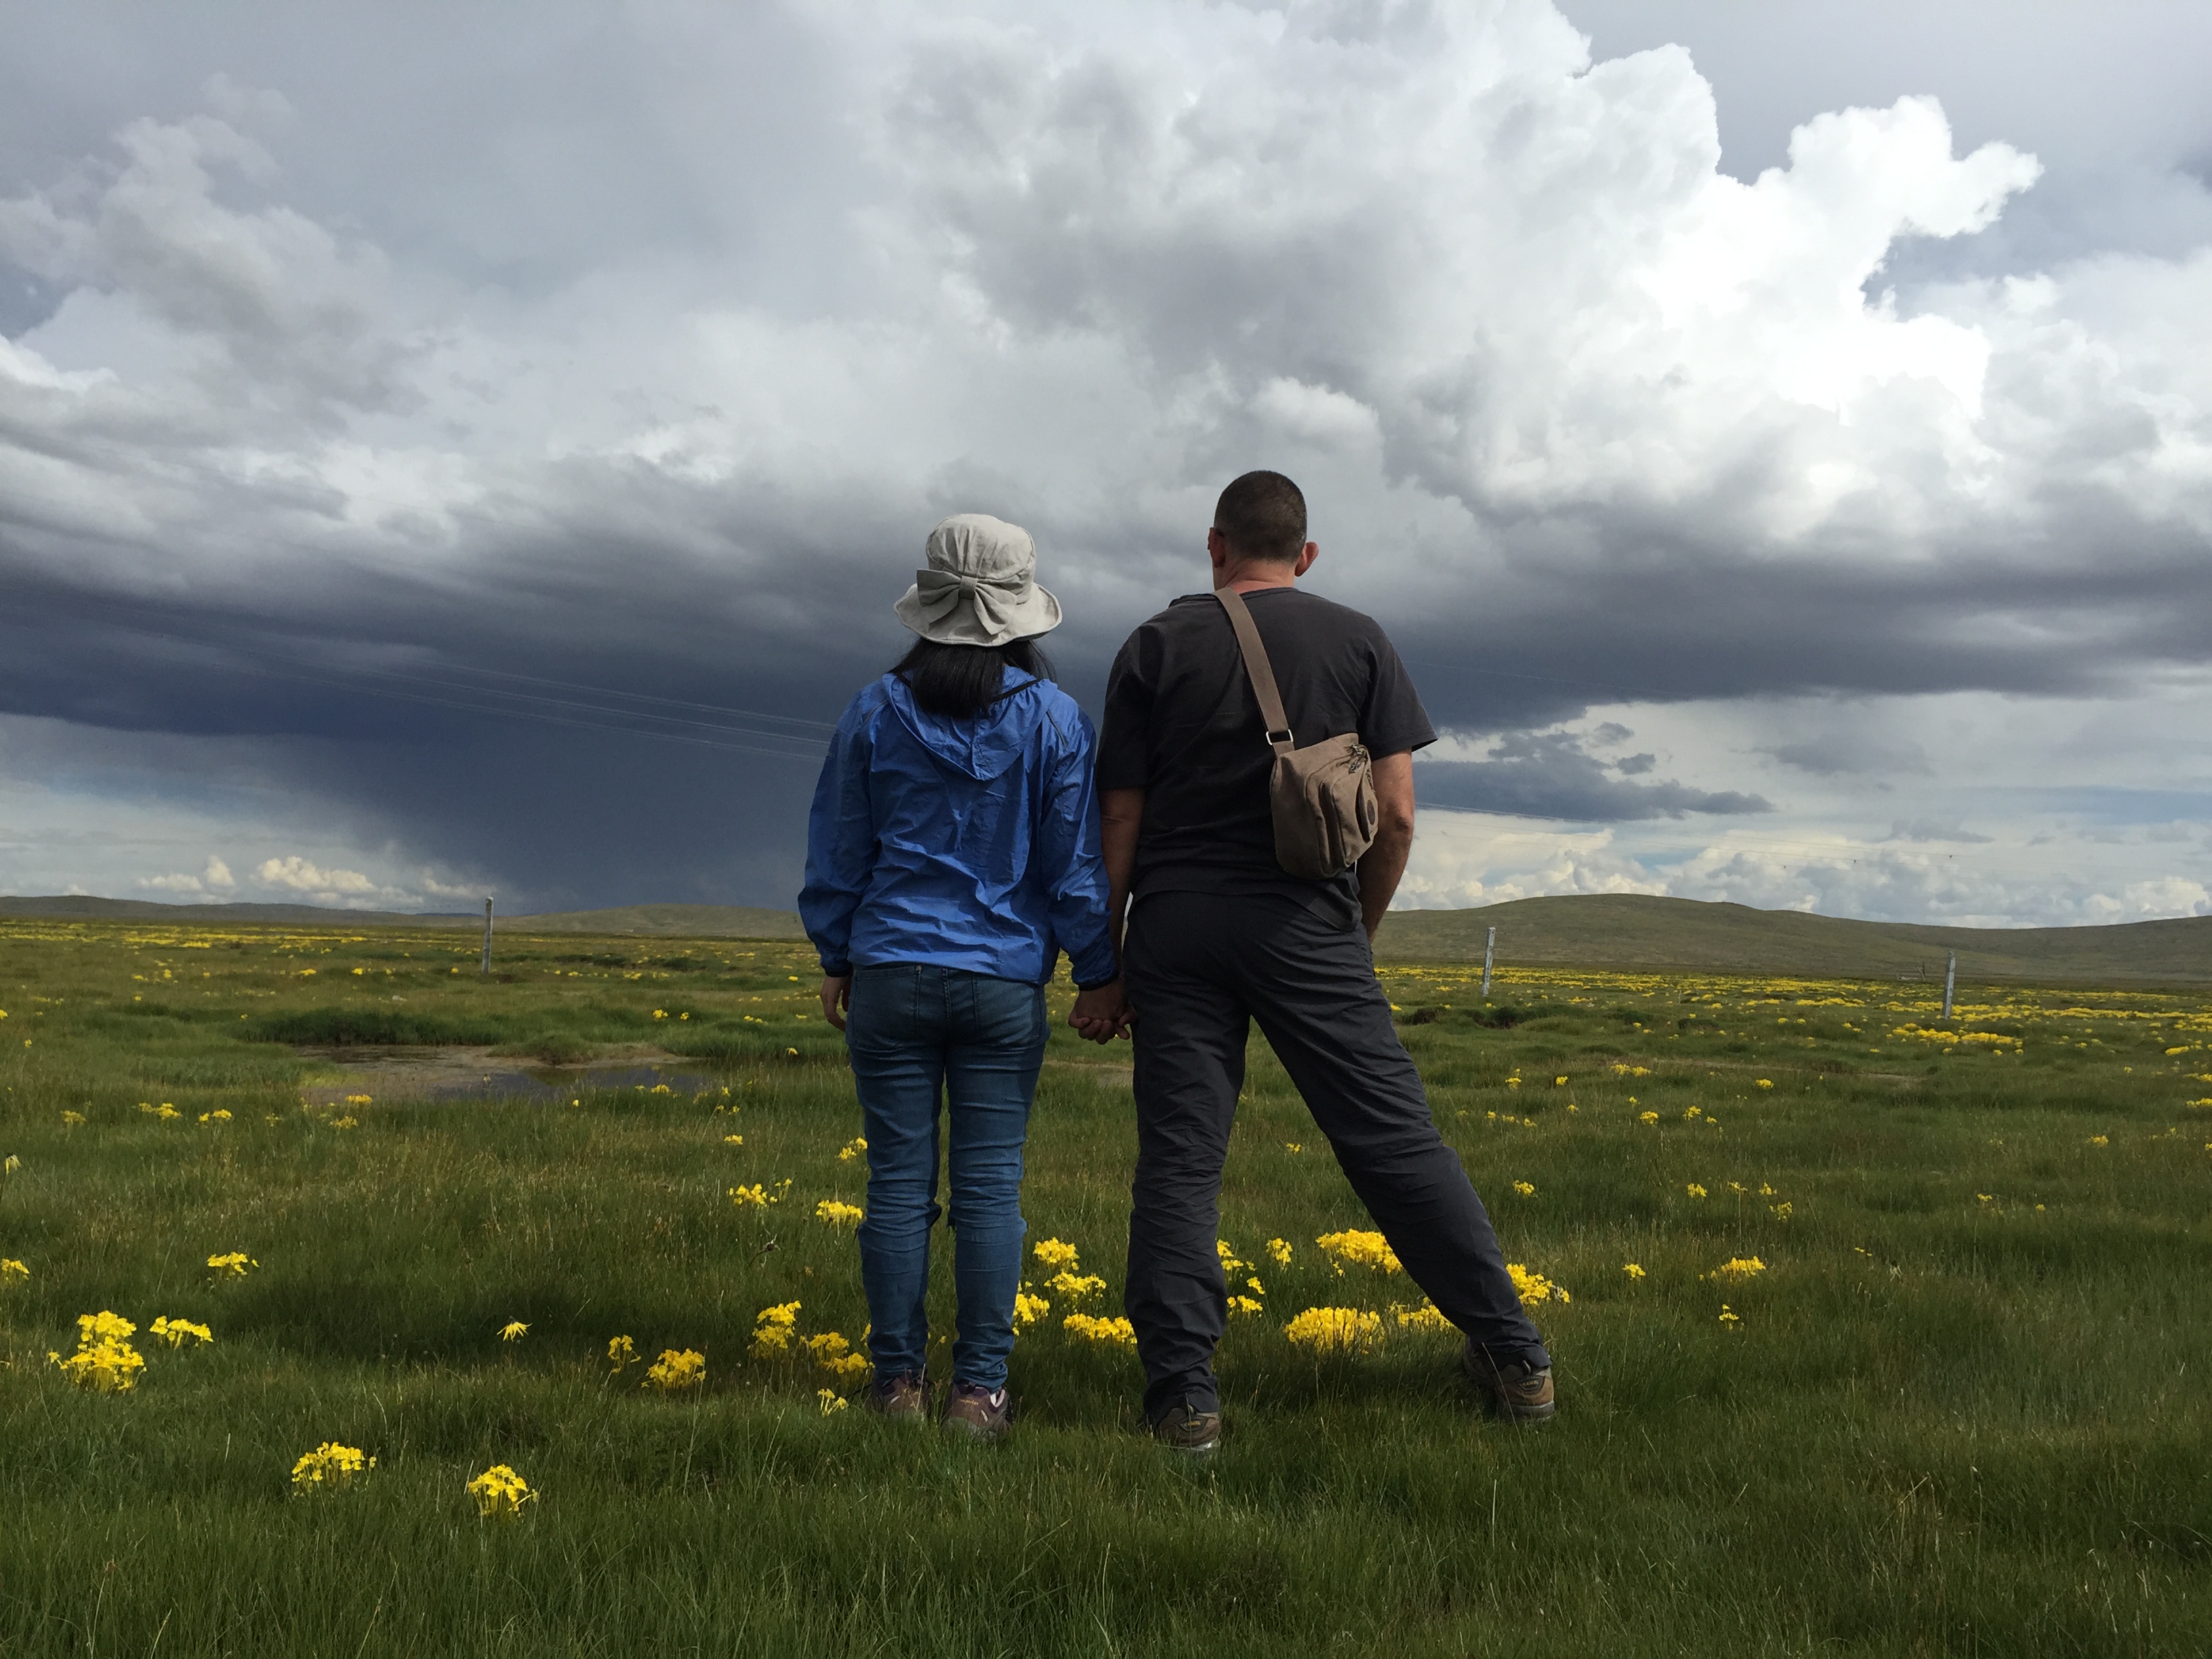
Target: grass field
{"x":1961,"y":1407}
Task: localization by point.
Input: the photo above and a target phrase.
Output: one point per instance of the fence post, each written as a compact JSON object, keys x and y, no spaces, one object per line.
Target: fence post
{"x":1950,"y":978}
{"x":486,"y":969}
{"x":1489,"y":945}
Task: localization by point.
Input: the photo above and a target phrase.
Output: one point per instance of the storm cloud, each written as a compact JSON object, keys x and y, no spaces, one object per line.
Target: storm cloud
{"x":446,"y":457}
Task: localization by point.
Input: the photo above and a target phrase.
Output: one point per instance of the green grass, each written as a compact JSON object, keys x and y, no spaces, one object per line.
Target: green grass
{"x":1943,"y":1423}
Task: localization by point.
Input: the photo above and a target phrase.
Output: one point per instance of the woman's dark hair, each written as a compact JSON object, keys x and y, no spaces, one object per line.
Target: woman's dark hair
{"x":962,"y":681}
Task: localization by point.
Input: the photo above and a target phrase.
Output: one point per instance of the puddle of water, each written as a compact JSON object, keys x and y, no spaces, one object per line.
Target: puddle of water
{"x":459,"y":1074}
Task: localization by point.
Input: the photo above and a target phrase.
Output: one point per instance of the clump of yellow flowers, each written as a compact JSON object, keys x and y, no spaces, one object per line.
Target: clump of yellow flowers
{"x":1116,"y":1333}
{"x":834,"y":1354}
{"x":622,"y":1353}
{"x":1335,"y":1330}
{"x":1535,"y":1287}
{"x":1738,"y":1268}
{"x":499,"y":1491}
{"x":177,"y":1331}
{"x":851,"y":1149}
{"x":1426,"y":1317}
{"x":330,"y":1466}
{"x":11,"y":1268}
{"x":1279,"y":1252}
{"x":676,"y":1370}
{"x":1364,"y":1250}
{"x":104,"y":1361}
{"x":839,"y":1214}
{"x":236,"y":1264}
{"x":1029,"y":1308}
{"x":1051,"y":1253}
{"x":772,"y":1329}
{"x":1076,"y":1287}
{"x":830,"y":1400}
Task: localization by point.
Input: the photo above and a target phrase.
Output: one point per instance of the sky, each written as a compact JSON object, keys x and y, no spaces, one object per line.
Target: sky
{"x":442,"y":457}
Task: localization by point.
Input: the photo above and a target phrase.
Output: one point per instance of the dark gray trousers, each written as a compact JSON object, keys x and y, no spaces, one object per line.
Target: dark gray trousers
{"x":1199,"y":967}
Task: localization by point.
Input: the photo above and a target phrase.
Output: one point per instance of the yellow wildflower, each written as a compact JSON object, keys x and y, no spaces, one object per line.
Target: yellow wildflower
{"x":1646,"y":1117}
{"x":11,"y":1268}
{"x":514,"y":1331}
{"x":1051,"y":1253}
{"x":830,"y":1400}
{"x":1118,"y":1332}
{"x":1694,"y":1190}
{"x":220,"y":1115}
{"x":1526,"y":1188}
{"x":1029,"y":1308}
{"x":1533,"y":1288}
{"x":1558,"y":1083}
{"x":72,"y":1117}
{"x":1292,"y":1146}
{"x":1728,"y":1315}
{"x":10,"y":1164}
{"x":733,"y":1140}
{"x":755,"y":1195}
{"x":330,"y":1466}
{"x":851,"y":1149}
{"x":177,"y":1331}
{"x":772,"y":1329}
{"x":834,"y":1355}
{"x":1279,"y":1251}
{"x":1766,"y":1083}
{"x":1076,"y":1286}
{"x":1781,"y":1211}
{"x":1632,"y":1270}
{"x":839,"y":1214}
{"x":1232,"y":1263}
{"x":104,"y":1361}
{"x":1335,"y":1330}
{"x":499,"y":1491}
{"x":1365,"y":1249}
{"x":2100,"y":1140}
{"x":1426,"y":1317}
{"x":236,"y":1264}
{"x":621,"y":1352}
{"x":1739,"y":1267}
{"x":676,"y":1369}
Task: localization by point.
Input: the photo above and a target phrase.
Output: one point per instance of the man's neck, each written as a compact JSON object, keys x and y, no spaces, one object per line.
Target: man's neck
{"x":1251,"y":577}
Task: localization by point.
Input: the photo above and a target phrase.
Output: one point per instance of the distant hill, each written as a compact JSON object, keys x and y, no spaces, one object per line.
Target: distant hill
{"x":674,"y":921}
{"x":77,"y":906}
{"x":1595,"y":930}
{"x":1630,"y":930}
{"x":668,"y":920}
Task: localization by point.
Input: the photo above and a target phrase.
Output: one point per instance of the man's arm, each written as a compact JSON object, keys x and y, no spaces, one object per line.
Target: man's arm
{"x":1384,"y":861}
{"x":1105,"y":1012}
{"x":1121,"y":814}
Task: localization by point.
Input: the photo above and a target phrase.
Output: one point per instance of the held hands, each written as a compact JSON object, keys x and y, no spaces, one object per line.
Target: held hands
{"x":836,"y":997}
{"x":1102,"y":1013}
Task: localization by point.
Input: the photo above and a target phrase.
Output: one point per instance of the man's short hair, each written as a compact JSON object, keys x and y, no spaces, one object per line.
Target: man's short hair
{"x":1263,"y":516}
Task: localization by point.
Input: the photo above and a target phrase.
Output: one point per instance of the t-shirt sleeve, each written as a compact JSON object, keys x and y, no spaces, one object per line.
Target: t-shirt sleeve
{"x":1393,"y":722}
{"x":1125,"y":730}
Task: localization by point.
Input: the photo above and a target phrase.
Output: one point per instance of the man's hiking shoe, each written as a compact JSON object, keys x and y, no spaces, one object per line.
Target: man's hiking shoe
{"x":900,"y":1398}
{"x":979,"y":1413}
{"x":1518,"y":1393}
{"x":1194,"y":1434}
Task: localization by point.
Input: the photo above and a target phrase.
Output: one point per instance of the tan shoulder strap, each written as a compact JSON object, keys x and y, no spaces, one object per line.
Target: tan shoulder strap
{"x":1257,"y":667}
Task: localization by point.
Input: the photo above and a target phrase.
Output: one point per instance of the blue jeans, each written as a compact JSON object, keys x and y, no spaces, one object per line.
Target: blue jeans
{"x":917,"y":1033}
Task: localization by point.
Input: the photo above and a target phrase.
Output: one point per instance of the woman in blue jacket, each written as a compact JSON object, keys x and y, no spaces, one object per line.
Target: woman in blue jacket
{"x":951,"y":855}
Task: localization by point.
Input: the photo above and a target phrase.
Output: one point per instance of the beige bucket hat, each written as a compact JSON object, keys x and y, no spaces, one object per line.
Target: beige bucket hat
{"x":980,"y":586}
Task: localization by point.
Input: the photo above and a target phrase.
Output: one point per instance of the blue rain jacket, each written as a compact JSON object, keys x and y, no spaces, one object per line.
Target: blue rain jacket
{"x":970,"y":844}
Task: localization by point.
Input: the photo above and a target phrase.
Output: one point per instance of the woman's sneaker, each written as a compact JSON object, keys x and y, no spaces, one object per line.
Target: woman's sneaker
{"x":900,"y":1398}
{"x":1518,"y":1393}
{"x":978,"y":1413}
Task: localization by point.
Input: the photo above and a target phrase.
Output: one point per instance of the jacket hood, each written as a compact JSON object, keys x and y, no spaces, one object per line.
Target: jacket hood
{"x":982,"y":747}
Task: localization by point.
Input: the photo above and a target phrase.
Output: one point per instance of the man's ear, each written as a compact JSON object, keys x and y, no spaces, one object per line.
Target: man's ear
{"x":1306,"y":559}
{"x":1217,"y":548}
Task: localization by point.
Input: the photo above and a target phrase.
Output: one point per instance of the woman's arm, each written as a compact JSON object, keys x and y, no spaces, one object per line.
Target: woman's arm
{"x":841,"y":854}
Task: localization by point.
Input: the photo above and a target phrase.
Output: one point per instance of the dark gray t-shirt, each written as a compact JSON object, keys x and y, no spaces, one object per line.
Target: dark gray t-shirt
{"x":1182,"y":723}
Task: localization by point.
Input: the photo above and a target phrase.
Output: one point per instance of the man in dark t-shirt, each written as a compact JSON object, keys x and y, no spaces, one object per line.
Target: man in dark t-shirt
{"x":1219,"y":934}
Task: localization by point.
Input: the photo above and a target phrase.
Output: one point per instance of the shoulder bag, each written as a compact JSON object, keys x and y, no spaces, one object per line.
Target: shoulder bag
{"x":1322,"y":795}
